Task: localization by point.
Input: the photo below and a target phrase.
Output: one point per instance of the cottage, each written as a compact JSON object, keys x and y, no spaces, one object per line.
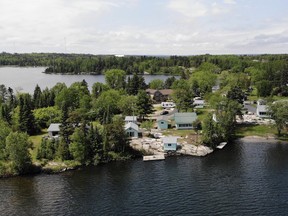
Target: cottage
{"x":132,"y":129}
{"x":169,"y":143}
{"x":160,"y":95}
{"x":184,"y":120}
{"x":131,"y":119}
{"x":53,"y":130}
{"x":162,"y":123}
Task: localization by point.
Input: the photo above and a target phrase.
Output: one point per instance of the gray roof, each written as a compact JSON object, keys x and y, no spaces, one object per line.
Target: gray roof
{"x":131,"y":118}
{"x":131,"y":125}
{"x":54,"y":127}
{"x":185,"y":118}
{"x":262,"y":108}
{"x":162,"y":118}
{"x":171,"y":139}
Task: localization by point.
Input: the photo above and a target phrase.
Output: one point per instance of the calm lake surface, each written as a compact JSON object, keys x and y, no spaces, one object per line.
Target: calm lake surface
{"x":25,"y":79}
{"x":242,"y":179}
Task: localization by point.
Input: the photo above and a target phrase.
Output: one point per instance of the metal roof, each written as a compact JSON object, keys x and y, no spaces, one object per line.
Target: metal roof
{"x":131,"y":118}
{"x":54,"y":127}
{"x":185,"y":118}
{"x":171,"y":139}
{"x":131,"y":125}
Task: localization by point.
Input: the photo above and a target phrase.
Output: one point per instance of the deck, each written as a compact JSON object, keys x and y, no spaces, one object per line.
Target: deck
{"x":154,"y":157}
{"x":221,"y":145}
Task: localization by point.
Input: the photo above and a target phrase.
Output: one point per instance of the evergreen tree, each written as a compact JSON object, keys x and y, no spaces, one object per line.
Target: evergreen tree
{"x":27,"y":121}
{"x":144,"y":104}
{"x":37,"y":97}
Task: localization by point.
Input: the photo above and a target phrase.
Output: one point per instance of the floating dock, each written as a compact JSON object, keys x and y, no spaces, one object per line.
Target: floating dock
{"x":154,"y":157}
{"x":221,"y":145}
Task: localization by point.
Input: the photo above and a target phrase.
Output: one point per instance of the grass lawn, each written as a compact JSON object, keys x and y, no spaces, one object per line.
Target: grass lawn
{"x":256,"y":130}
{"x":36,"y":140}
{"x":180,"y":133}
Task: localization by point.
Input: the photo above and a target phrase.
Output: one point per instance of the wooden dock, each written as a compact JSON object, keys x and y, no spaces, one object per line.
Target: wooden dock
{"x":154,"y":157}
{"x":221,"y":145}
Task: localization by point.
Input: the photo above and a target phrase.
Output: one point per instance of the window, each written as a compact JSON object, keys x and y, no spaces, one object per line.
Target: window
{"x":169,"y":144}
{"x":162,"y":122}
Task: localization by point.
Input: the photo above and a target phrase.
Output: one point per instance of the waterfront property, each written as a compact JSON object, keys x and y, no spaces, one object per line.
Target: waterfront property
{"x":54,"y":130}
{"x":169,"y":143}
{"x":131,"y":119}
{"x":184,"y":120}
{"x":162,"y":123}
{"x":132,"y":129}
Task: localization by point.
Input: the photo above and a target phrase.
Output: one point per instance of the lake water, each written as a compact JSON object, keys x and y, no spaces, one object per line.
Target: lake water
{"x":242,"y":179}
{"x":25,"y":79}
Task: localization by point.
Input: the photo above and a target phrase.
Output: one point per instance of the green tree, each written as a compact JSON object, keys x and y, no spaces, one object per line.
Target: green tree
{"x":127,"y":105}
{"x":279,"y":112}
{"x":156,"y":84}
{"x":27,"y":121}
{"x":37,"y":97}
{"x":17,"y":148}
{"x":4,"y":132}
{"x":79,"y":145}
{"x":144,"y":104}
{"x":115,"y":79}
{"x":98,"y":88}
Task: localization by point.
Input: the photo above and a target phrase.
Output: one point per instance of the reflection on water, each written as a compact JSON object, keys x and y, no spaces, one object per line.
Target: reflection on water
{"x":241,"y":179}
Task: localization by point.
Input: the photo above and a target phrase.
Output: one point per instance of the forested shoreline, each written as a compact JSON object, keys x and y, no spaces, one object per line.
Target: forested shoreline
{"x":92,"y":123}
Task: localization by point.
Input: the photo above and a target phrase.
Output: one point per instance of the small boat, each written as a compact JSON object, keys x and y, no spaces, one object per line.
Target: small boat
{"x":221,"y":145}
{"x":154,"y":157}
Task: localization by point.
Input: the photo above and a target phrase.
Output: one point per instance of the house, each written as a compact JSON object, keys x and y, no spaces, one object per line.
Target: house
{"x":130,"y":119}
{"x":53,"y":130}
{"x":169,"y":143}
{"x":132,"y":129}
{"x":198,"y":103}
{"x":262,"y":110}
{"x":184,"y":120}
{"x":162,"y":122}
{"x":160,"y":95}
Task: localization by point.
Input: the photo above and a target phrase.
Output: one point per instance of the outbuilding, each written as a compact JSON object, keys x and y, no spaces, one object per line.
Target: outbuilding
{"x":169,"y":143}
{"x":132,"y":129}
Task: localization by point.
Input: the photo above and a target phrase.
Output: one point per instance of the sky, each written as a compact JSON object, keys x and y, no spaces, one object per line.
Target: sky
{"x":144,"y":27}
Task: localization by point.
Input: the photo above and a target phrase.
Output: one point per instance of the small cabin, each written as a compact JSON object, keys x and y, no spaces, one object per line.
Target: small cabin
{"x":162,"y":123}
{"x":169,"y":143}
{"x":132,"y":130}
{"x":54,"y":130}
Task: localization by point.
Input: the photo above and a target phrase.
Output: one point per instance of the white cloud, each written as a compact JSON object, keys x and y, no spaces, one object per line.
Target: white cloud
{"x":230,"y":1}
{"x":189,"y":8}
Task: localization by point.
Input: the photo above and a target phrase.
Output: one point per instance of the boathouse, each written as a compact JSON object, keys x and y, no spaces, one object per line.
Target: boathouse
{"x":169,"y":143}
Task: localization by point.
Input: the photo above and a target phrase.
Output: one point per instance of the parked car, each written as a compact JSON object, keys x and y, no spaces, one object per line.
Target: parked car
{"x":164,"y":112}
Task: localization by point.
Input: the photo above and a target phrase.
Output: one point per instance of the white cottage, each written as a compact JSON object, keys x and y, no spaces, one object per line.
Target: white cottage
{"x":53,"y":130}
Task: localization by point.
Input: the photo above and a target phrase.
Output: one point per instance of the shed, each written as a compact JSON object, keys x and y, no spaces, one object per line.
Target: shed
{"x":162,"y":122}
{"x":170,"y":143}
{"x":53,"y":130}
{"x":262,"y":111}
{"x":131,"y":119}
{"x":132,"y":129}
{"x":198,"y":103}
{"x":184,"y":120}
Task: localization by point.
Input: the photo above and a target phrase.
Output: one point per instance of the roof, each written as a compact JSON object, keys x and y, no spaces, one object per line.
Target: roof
{"x":171,"y":139}
{"x":131,"y":118}
{"x":199,"y":102}
{"x":162,"y":91}
{"x":262,"y":108}
{"x":131,"y":125}
{"x":185,"y":118}
{"x":54,"y":127}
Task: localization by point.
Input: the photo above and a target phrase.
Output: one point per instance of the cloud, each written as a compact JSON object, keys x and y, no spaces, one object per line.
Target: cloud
{"x":188,"y":8}
{"x":229,"y":1}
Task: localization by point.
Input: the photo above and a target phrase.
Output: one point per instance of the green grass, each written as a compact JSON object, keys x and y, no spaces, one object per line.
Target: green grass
{"x":256,"y":130}
{"x":180,"y":133}
{"x":36,"y":140}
